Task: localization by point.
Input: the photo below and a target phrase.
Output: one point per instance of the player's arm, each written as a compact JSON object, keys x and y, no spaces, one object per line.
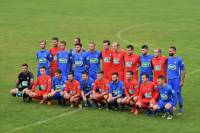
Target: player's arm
{"x":17,"y":82}
{"x":31,"y":81}
{"x":48,"y":89}
{"x":34,"y":85}
{"x":156,"y":94}
{"x":183,"y":72}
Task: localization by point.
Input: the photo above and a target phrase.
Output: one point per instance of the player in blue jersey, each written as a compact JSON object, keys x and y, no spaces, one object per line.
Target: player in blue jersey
{"x":63,"y":59}
{"x":58,"y":86}
{"x":176,"y":75}
{"x":167,"y":98}
{"x":146,"y":63}
{"x":43,"y":57}
{"x":116,"y":91}
{"x":86,"y":86}
{"x":93,"y":60}
{"x":78,"y":61}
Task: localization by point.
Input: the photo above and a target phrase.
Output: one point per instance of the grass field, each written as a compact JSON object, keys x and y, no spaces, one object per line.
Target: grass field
{"x":157,"y":22}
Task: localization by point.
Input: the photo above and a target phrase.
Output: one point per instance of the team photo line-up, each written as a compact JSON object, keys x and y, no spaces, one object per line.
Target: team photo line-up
{"x":126,"y":80}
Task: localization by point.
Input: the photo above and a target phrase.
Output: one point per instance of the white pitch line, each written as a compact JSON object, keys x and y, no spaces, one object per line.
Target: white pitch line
{"x":43,"y":121}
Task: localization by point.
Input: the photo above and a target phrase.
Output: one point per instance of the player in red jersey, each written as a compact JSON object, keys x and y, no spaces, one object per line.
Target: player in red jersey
{"x":54,"y":50}
{"x":131,"y":91}
{"x":132,"y":62}
{"x":118,"y":60}
{"x":159,"y":63}
{"x":44,"y":83}
{"x":107,"y":59}
{"x":148,"y":94}
{"x":72,"y":92}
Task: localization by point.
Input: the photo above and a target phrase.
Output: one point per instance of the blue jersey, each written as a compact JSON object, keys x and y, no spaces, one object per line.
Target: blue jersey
{"x":116,"y":88}
{"x":79,"y":60}
{"x":146,"y":65}
{"x":44,"y":58}
{"x":59,"y":84}
{"x":63,"y":59}
{"x":174,"y":68}
{"x":93,"y":60}
{"x":167,"y":94}
{"x":86,"y":86}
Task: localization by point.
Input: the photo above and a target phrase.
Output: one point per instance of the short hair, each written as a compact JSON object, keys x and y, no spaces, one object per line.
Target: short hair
{"x":144,"y":47}
{"x":78,"y":44}
{"x":161,"y":77}
{"x":58,"y":71}
{"x":131,"y":72}
{"x":26,"y":65}
{"x":63,"y":42}
{"x":85,"y":72}
{"x":78,"y":38}
{"x":43,"y":67}
{"x":146,"y":75}
{"x":92,"y":43}
{"x":173,"y":47}
{"x":115,"y":73}
{"x":130,"y":46}
{"x":55,"y":38}
{"x":100,"y":72}
{"x":71,"y":73}
{"x":45,"y":42}
{"x":106,"y":41}
{"x":159,"y":50}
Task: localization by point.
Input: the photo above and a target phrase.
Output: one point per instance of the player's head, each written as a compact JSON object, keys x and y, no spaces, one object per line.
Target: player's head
{"x":115,"y":76}
{"x":145,"y":77}
{"x":62,"y":45}
{"x":84,"y":75}
{"x":92,"y":46}
{"x":106,"y":44}
{"x":172,"y":51}
{"x":24,"y":68}
{"x":43,"y":44}
{"x":161,"y":80}
{"x":144,"y":49}
{"x":157,"y":52}
{"x":115,"y":46}
{"x":78,"y":47}
{"x":55,"y":41}
{"x":43,"y":70}
{"x":71,"y":76}
{"x":129,"y":75}
{"x":58,"y":73}
{"x":100,"y":75}
{"x":77,"y":40}
{"x":129,"y":49}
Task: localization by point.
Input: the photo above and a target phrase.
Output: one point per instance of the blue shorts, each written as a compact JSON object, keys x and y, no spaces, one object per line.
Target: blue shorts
{"x":93,"y":75}
{"x":162,"y":104}
{"x":78,"y":75}
{"x":57,"y":95}
{"x":175,"y":84}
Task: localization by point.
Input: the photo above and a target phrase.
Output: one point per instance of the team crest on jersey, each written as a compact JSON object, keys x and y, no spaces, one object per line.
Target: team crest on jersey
{"x":42,"y":60}
{"x":94,"y":60}
{"x":62,"y":60}
{"x":164,"y":96}
{"x":106,"y":59}
{"x":128,"y":64}
{"x":116,"y":61}
{"x":146,"y":64}
{"x":171,"y":67}
{"x":78,"y":63}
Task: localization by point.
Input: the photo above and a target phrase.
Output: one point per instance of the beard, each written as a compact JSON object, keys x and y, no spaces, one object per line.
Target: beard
{"x":171,"y":54}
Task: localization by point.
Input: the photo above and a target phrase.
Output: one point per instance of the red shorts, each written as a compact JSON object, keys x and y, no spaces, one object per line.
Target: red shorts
{"x":39,"y":94}
{"x":52,"y":70}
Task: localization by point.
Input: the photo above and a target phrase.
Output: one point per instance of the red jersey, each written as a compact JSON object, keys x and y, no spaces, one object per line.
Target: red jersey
{"x":118,"y":61}
{"x":44,"y":83}
{"x":132,"y":63}
{"x":148,"y":92}
{"x":101,"y":86}
{"x":107,"y":63}
{"x":159,"y":67}
{"x":73,"y":87}
{"x":54,"y":64}
{"x":131,"y":88}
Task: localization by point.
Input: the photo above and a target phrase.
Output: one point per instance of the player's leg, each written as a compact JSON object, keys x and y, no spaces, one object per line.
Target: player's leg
{"x":14,"y":91}
{"x":25,"y":93}
{"x":169,"y":110}
{"x":179,"y":95}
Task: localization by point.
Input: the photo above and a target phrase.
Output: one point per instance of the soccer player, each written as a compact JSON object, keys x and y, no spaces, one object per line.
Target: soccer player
{"x":63,"y":59}
{"x":58,"y":86}
{"x":93,"y":60}
{"x":167,"y":98}
{"x":148,"y":94}
{"x":107,"y":59}
{"x":131,"y":91}
{"x":132,"y":62}
{"x":176,"y":75}
{"x":116,"y":91}
{"x":100,"y":90}
{"x":44,"y":83}
{"x":23,"y":84}
{"x":86,"y":86}
{"x":54,"y":50}
{"x":118,"y":60}
{"x":72,"y":93}
{"x":78,"y":61}
{"x":146,"y":63}
{"x":44,"y":57}
{"x":159,"y":63}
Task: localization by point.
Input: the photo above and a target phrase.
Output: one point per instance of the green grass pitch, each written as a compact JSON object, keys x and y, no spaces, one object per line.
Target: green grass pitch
{"x":159,"y":23}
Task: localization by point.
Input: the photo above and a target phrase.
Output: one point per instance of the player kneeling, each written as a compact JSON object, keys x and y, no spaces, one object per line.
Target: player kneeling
{"x":167,"y":99}
{"x":58,"y":86}
{"x":148,"y":94}
{"x":24,"y":84}
{"x":72,"y":93}
{"x":100,"y":90}
{"x":44,"y":83}
{"x":131,"y":91}
{"x":116,"y":92}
